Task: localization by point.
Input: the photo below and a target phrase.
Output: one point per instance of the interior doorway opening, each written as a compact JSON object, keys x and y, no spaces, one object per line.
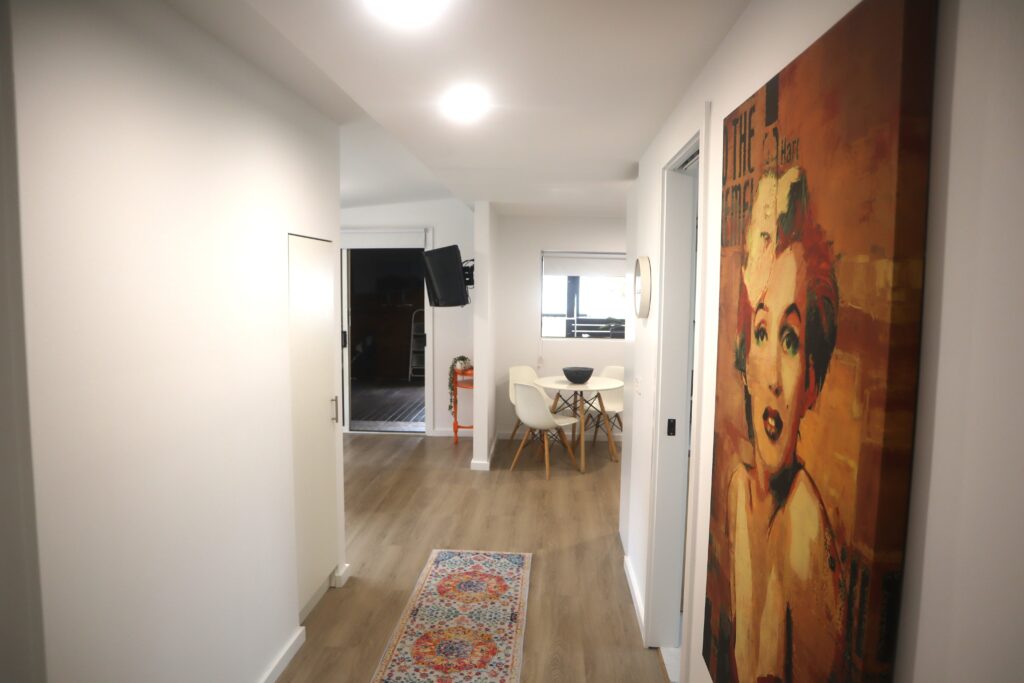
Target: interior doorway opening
{"x":387,"y":340}
{"x":666,"y":578}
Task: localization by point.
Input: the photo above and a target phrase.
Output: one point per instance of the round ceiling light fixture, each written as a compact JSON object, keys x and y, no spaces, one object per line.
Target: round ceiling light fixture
{"x":465,"y":103}
{"x":407,"y":15}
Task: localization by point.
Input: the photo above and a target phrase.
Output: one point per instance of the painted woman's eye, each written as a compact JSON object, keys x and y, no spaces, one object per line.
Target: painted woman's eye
{"x":760,"y":334}
{"x":790,"y":341}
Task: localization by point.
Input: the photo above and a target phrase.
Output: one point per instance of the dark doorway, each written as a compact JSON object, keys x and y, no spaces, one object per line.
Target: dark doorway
{"x":388,"y":343}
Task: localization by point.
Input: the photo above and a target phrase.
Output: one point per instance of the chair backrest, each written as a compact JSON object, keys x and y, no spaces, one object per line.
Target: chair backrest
{"x":532,"y":407}
{"x":519,"y":374}
{"x":614,"y":372}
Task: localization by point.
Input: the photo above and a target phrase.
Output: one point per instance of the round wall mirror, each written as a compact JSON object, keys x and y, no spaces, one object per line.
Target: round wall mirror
{"x":642,"y":286}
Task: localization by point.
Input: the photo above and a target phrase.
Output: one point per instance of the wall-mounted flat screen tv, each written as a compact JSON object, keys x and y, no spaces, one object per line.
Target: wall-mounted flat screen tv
{"x":446,"y":284}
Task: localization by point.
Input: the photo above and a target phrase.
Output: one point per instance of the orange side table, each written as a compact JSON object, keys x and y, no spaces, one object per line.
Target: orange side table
{"x":463,"y":380}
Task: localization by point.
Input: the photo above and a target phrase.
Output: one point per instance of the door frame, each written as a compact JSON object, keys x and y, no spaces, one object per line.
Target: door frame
{"x":396,"y":237}
{"x":684,"y":202}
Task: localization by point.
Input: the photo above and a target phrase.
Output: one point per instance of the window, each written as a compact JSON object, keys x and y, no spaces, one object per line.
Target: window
{"x":583,"y":295}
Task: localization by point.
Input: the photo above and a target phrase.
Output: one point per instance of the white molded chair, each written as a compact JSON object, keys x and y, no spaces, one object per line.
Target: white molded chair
{"x":519,"y":374}
{"x":533,"y":411}
{"x":614,"y":403}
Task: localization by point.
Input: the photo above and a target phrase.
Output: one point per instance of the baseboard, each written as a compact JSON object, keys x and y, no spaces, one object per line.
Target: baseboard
{"x":340,"y":576}
{"x":479,"y":466}
{"x":317,"y":597}
{"x":286,"y":655}
{"x":634,"y":591}
{"x":672,"y":658}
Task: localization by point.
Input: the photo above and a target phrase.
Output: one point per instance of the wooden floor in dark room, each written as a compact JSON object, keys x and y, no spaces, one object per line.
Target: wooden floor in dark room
{"x":406,"y":495}
{"x":388,"y":407}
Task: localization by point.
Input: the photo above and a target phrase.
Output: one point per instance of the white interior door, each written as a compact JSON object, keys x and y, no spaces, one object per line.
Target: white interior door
{"x":312,"y":278}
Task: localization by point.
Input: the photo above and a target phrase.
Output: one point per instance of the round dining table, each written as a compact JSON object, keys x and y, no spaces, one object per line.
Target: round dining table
{"x":571,"y":395}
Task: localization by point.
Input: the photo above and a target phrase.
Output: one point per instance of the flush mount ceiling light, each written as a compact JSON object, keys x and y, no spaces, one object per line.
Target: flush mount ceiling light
{"x":407,"y":15}
{"x":465,"y":103}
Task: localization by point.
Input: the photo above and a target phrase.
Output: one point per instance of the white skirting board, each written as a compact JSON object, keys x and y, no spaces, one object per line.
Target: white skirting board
{"x":634,"y":591}
{"x":485,"y":466}
{"x":336,"y":579}
{"x":673,"y":659}
{"x":280,"y":662}
{"x":341,"y":575}
{"x":313,"y":601}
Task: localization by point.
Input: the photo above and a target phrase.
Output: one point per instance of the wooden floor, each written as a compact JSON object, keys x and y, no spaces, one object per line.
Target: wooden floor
{"x":405,"y":495}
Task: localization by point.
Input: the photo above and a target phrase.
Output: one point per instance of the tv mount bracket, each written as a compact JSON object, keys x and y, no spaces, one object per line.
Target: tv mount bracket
{"x":468,"y":268}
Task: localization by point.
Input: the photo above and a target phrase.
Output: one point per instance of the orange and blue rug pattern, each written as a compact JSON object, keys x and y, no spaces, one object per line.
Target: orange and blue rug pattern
{"x":464,"y":622}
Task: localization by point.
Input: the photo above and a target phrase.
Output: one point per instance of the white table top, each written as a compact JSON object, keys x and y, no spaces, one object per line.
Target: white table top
{"x":595,"y":383}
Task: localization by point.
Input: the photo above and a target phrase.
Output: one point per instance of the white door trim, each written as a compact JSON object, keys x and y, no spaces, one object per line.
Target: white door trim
{"x":670,"y":486}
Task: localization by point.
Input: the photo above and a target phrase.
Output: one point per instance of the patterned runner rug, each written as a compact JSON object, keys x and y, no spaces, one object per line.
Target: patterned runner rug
{"x":464,"y":622}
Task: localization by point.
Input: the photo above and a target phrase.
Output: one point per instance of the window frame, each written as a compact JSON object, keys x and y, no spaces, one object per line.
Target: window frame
{"x":571,"y":314}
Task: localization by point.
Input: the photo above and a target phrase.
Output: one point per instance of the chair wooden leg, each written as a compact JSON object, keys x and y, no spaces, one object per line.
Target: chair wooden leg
{"x":576,"y":409}
{"x":568,"y":447}
{"x":597,"y":428}
{"x":515,"y":429}
{"x":613,"y":452}
{"x":522,"y":444}
{"x":547,"y":457}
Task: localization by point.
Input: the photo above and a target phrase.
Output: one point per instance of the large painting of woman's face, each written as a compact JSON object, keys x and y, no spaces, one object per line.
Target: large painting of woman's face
{"x":776,"y":362}
{"x":823,"y":215}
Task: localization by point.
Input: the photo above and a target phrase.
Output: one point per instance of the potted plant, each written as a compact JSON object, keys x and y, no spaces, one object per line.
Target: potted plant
{"x":458,"y":363}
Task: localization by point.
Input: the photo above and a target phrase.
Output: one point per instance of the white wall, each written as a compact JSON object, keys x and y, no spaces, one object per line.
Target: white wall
{"x":484,"y":427}
{"x":962,"y":605}
{"x":160,"y":176}
{"x":632,"y":392}
{"x":963,"y":611}
{"x":517,"y":300}
{"x":452,"y":223}
{"x":21,"y":623}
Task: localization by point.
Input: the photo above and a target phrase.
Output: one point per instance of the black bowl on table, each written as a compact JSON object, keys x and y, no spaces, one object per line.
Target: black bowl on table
{"x":578,"y":375}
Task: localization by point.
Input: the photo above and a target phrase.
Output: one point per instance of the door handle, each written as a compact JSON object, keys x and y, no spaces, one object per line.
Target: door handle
{"x":334,"y":400}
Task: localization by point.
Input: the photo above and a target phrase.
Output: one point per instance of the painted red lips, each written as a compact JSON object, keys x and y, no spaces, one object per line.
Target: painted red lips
{"x":772,"y":424}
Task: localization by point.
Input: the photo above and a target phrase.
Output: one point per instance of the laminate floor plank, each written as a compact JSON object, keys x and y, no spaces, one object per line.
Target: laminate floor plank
{"x":406,"y":495}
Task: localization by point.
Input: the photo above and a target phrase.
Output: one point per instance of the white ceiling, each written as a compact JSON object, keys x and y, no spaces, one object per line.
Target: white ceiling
{"x":246,"y":31}
{"x":377,"y":169}
{"x":581,"y":87}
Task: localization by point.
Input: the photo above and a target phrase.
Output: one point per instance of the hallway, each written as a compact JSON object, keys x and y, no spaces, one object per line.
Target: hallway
{"x":406,"y":495}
